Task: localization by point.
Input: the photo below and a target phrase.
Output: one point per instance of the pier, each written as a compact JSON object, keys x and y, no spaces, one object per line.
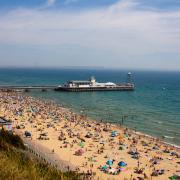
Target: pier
{"x":27,"y":88}
{"x":76,"y":86}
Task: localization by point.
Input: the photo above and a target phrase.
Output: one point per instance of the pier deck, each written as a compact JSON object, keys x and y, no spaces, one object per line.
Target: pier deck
{"x":81,"y":89}
{"x":24,"y":87}
{"x":63,"y":88}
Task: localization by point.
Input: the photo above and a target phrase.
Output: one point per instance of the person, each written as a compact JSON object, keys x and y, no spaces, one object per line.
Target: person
{"x":145,"y":176}
{"x":138,"y":164}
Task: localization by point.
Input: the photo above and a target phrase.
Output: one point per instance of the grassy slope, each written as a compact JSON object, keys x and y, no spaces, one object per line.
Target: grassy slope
{"x":15,"y":163}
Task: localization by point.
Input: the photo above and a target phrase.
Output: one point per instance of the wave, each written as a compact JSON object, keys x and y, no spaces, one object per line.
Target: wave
{"x":168,"y":137}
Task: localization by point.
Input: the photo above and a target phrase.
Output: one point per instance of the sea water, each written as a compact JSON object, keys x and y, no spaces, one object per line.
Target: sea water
{"x":153,"y":108}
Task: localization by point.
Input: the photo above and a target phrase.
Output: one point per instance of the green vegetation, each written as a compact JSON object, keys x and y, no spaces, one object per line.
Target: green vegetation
{"x":16,"y":163}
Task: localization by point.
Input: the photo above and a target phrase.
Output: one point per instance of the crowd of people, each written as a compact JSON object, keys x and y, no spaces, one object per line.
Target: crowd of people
{"x":95,"y":148}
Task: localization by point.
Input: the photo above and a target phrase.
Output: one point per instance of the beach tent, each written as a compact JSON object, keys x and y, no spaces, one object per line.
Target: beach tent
{"x":122,"y":164}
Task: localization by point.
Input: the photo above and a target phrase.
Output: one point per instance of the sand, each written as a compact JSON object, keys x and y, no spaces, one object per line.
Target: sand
{"x":63,"y":133}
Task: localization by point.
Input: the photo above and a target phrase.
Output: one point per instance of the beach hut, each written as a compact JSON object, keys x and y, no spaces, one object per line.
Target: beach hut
{"x":6,"y":125}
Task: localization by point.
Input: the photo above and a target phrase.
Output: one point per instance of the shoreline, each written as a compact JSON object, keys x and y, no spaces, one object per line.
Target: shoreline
{"x":105,"y":122}
{"x":60,"y":122}
{"x":114,"y":124}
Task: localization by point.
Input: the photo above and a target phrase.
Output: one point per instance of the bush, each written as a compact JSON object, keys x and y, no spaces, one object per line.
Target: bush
{"x":17,"y":163}
{"x":11,"y":139}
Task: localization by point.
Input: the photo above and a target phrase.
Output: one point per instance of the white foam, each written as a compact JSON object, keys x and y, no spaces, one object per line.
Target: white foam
{"x":169,"y":137}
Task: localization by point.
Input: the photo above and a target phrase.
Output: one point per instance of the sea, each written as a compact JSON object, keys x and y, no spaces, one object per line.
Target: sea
{"x":152,"y":108}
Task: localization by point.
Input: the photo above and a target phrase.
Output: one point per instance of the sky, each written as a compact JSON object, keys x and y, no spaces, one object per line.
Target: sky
{"x":124,"y":34}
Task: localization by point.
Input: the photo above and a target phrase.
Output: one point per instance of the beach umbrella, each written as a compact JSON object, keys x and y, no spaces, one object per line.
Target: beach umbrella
{"x":122,"y":164}
{"x":109,"y":162}
{"x":104,"y":167}
{"x":172,"y":178}
{"x":175,"y":177}
{"x":113,"y":133}
{"x":81,"y":144}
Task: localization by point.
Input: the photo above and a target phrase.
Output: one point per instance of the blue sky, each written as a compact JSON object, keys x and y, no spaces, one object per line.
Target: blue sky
{"x":134,"y":34}
{"x":159,"y":4}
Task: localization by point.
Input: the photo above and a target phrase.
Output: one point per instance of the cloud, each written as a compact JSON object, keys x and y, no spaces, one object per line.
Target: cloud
{"x":122,"y":29}
{"x":50,"y":3}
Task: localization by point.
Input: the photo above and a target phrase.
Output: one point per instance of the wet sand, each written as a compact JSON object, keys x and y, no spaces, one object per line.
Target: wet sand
{"x":87,"y":144}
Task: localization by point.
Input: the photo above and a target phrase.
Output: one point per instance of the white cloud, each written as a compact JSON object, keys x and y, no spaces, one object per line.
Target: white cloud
{"x":120,"y":29}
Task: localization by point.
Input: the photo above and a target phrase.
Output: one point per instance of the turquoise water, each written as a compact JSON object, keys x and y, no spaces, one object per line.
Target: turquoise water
{"x":153,"y":108}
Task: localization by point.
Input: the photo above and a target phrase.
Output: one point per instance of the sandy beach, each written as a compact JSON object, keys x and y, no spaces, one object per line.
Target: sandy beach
{"x":104,"y":151}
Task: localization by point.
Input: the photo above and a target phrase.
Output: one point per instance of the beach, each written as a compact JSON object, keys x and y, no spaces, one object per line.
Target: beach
{"x":102,"y":150}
